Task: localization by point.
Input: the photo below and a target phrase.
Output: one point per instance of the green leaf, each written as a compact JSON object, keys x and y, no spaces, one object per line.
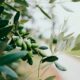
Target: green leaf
{"x":10,"y":7}
{"x":43,"y":12}
{"x":1,"y":9}
{"x":60,"y":67}
{"x":3,"y":23}
{"x":11,"y":57}
{"x":1,"y":1}
{"x":16,"y":17}
{"x":49,"y":59}
{"x":43,"y":47}
{"x":77,"y":43}
{"x":30,"y":61}
{"x":8,"y":71}
{"x":22,"y":2}
{"x":5,"y":30}
{"x":75,"y":0}
{"x":51,"y":1}
{"x":50,"y":78}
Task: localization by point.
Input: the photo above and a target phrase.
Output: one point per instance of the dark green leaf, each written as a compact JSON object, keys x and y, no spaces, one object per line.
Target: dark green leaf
{"x":3,"y":23}
{"x":50,"y":78}
{"x":43,"y":47}
{"x":75,"y":0}
{"x":5,"y":30}
{"x":51,"y":1}
{"x":16,"y":18}
{"x":1,"y":1}
{"x":8,"y":71}
{"x":11,"y":57}
{"x":60,"y":67}
{"x":9,"y":47}
{"x":1,"y":9}
{"x":30,"y":61}
{"x":43,"y":11}
{"x":49,"y":59}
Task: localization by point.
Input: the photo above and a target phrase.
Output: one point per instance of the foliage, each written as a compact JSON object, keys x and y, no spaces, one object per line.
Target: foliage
{"x":16,"y":41}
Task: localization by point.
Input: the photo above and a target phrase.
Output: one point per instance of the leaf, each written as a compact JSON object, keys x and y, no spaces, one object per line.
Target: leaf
{"x":51,"y":1}
{"x":23,"y":21}
{"x":50,"y":78}
{"x":8,"y":71}
{"x":77,"y":43}
{"x":43,"y":11}
{"x":43,"y":47}
{"x":16,"y":17}
{"x":1,"y":9}
{"x":75,"y":0}
{"x":22,"y":2}
{"x":11,"y":57}
{"x":49,"y":59}
{"x":5,"y":30}
{"x":30,"y":61}
{"x":60,"y":67}
{"x":3,"y":23}
{"x":1,"y":1}
{"x":10,"y":7}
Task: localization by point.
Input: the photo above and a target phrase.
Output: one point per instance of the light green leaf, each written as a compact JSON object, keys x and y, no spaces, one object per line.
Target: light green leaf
{"x":50,"y":78}
{"x":11,"y":57}
{"x":8,"y":71}
{"x":60,"y":67}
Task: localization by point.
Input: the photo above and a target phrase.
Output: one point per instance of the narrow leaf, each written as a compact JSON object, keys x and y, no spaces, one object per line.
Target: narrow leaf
{"x":43,"y":47}
{"x":1,"y":9}
{"x":16,"y":18}
{"x":49,"y":59}
{"x":10,"y":7}
{"x":11,"y":57}
{"x":60,"y":67}
{"x":8,"y":71}
{"x":43,"y":11}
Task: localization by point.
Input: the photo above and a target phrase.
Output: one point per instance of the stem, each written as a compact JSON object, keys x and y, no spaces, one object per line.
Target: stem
{"x":39,"y":69}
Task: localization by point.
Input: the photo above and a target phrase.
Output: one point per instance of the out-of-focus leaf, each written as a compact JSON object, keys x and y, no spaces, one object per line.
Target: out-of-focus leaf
{"x":3,"y":45}
{"x":16,"y":17}
{"x":23,"y":21}
{"x":5,"y":30}
{"x":1,"y":9}
{"x":11,"y":57}
{"x":10,"y":7}
{"x":49,"y":59}
{"x":43,"y":11}
{"x":1,"y":1}
{"x":43,"y":47}
{"x":60,"y":67}
{"x":51,"y":1}
{"x":3,"y":23}
{"x":30,"y":61}
{"x":50,"y":78}
{"x":22,"y":2}
{"x":8,"y":71}
{"x":77,"y":43}
{"x":75,"y":0}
